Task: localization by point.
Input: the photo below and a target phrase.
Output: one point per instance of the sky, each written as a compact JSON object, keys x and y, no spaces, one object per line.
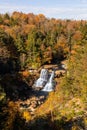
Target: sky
{"x":60,"y":9}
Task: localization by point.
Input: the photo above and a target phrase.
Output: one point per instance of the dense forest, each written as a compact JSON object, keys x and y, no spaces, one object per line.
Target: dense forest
{"x":29,"y":41}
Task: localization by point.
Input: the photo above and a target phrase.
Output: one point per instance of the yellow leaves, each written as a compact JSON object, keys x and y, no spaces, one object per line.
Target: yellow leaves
{"x":26,"y":115}
{"x":51,"y":103}
{"x":85,"y":121}
{"x":47,"y":106}
{"x":75,"y":127}
{"x":39,"y":17}
{"x":63,"y":112}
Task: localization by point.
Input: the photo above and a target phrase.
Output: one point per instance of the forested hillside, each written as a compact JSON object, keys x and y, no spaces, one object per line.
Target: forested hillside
{"x":29,"y":41}
{"x":35,"y":37}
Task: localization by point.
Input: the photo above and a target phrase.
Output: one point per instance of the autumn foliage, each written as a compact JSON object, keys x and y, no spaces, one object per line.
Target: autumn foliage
{"x":38,"y":40}
{"x":27,"y":42}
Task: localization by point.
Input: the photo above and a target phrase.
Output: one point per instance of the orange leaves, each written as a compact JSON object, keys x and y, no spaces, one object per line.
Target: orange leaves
{"x":42,"y":40}
{"x":15,"y":14}
{"x":73,"y":52}
{"x":38,"y":59}
{"x":77,"y":35}
{"x":27,"y":28}
{"x":76,"y":46}
{"x":39,"y":18}
{"x":2,"y":27}
{"x":25,"y":73}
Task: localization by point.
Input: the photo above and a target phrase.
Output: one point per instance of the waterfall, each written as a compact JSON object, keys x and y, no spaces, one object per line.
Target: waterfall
{"x":42,"y":79}
{"x":45,"y":81}
{"x":50,"y":84}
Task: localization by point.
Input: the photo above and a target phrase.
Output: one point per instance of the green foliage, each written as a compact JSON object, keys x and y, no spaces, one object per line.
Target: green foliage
{"x":29,"y":40}
{"x":33,"y":35}
{"x":1,"y":19}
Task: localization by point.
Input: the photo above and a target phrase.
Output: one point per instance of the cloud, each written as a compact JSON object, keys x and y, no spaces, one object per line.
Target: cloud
{"x":60,"y":12}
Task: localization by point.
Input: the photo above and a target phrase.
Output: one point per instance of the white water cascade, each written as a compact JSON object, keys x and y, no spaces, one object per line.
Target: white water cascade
{"x":45,"y":81}
{"x":50,"y":84}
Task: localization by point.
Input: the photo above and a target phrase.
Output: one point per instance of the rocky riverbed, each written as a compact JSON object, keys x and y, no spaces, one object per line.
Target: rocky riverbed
{"x":33,"y":102}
